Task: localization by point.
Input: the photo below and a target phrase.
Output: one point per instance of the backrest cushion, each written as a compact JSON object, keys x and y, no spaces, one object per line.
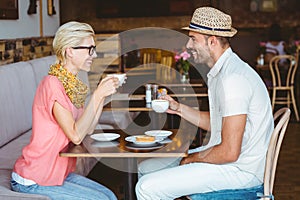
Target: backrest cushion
{"x":17,"y":91}
{"x":83,"y":76}
{"x":41,"y":67}
{"x":18,"y":82}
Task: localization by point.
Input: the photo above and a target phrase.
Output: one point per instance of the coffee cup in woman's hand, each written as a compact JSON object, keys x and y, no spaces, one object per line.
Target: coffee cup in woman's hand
{"x":121,"y":77}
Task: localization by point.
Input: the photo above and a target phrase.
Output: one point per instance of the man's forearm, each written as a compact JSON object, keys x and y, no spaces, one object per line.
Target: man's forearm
{"x":196,"y":117}
{"x":214,"y":155}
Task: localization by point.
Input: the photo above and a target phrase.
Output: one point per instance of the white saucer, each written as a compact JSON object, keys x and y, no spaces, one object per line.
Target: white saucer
{"x":166,"y":141}
{"x":104,"y":137}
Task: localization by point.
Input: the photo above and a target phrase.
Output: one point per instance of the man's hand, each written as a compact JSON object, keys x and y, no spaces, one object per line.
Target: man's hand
{"x":174,"y":106}
{"x":191,"y":158}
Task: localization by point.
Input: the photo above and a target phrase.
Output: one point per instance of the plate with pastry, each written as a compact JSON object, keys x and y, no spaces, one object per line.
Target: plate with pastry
{"x":147,"y":147}
{"x":143,"y":140}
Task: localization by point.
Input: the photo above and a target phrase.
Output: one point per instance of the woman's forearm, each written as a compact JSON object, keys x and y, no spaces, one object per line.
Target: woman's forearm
{"x":90,"y":117}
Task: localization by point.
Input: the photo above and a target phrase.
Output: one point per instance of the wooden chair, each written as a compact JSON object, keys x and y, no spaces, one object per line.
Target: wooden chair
{"x":165,"y":71}
{"x":149,"y":56}
{"x":107,"y":49}
{"x":281,"y":119}
{"x":279,"y":74}
{"x":148,"y":60}
{"x":270,"y":53}
{"x":263,"y":70}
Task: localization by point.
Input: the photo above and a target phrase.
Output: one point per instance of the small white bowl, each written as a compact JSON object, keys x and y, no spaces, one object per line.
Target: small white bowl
{"x":160,"y":105}
{"x":121,"y":77}
{"x":159,"y":133}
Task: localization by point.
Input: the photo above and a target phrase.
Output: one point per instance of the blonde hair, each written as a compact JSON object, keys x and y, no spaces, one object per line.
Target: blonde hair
{"x":68,"y":35}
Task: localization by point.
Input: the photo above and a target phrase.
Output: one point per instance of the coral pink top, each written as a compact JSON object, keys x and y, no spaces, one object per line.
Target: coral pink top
{"x":40,"y":160}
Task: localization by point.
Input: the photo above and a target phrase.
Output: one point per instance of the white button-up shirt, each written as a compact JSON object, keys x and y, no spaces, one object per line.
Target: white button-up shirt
{"x":234,"y":88}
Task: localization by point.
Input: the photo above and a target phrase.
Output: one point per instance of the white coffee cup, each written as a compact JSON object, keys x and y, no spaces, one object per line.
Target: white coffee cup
{"x":121,"y":77}
{"x":160,"y":105}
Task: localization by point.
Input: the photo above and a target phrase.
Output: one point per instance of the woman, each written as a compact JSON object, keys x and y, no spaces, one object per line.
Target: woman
{"x":59,"y":118}
{"x":275,"y":45}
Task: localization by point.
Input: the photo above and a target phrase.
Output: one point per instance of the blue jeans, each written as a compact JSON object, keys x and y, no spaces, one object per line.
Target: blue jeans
{"x":74,"y":187}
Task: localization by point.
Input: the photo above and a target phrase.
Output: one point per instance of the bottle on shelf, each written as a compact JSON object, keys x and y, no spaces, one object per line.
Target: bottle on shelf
{"x":148,"y":97}
{"x":154,"y":91}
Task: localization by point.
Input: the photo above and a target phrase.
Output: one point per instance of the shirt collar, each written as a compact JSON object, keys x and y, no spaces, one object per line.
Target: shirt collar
{"x":219,"y":64}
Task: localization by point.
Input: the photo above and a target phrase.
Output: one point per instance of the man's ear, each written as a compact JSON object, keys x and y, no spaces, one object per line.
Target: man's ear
{"x":212,"y":40}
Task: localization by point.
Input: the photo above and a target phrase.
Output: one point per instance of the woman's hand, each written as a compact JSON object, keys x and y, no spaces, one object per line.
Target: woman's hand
{"x":174,"y":106}
{"x":107,"y":86}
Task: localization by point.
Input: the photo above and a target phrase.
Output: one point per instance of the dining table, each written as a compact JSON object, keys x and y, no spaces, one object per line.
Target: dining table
{"x":121,"y":150}
{"x":174,"y":146}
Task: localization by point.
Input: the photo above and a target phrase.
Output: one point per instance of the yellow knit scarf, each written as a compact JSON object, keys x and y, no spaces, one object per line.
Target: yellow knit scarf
{"x":75,"y":88}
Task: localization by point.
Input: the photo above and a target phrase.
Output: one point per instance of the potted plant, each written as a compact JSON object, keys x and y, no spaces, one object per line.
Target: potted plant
{"x":183,"y":65}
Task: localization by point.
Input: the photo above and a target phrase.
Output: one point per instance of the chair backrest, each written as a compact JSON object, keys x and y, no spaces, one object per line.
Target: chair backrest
{"x":167,"y":58}
{"x":290,"y":65}
{"x":167,"y":61}
{"x":268,"y":56}
{"x":150,"y":55}
{"x":297,"y":54}
{"x":166,"y":72}
{"x":281,"y":119}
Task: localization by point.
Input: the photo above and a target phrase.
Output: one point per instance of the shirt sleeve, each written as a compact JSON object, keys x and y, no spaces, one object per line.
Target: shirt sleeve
{"x":235,"y":95}
{"x":54,"y":91}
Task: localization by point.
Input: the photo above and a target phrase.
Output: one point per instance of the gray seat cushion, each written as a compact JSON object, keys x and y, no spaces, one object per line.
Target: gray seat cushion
{"x":13,"y":150}
{"x":7,"y":194}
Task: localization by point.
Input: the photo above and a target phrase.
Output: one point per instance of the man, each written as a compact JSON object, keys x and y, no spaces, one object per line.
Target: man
{"x":240,"y":121}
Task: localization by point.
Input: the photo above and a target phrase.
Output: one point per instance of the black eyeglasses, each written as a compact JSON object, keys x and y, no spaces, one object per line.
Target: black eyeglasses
{"x":91,"y":49}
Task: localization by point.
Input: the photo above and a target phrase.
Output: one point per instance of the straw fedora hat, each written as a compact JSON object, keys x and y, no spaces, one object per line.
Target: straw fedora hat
{"x":210,"y":21}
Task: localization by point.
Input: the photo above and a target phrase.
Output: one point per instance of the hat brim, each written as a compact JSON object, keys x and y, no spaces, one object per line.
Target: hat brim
{"x":230,"y":33}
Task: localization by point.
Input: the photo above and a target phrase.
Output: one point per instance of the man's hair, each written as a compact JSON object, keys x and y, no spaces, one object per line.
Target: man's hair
{"x":224,"y":41}
{"x":275,"y":32}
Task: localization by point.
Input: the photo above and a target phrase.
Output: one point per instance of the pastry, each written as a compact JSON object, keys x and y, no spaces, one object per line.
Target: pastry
{"x":144,"y":138}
